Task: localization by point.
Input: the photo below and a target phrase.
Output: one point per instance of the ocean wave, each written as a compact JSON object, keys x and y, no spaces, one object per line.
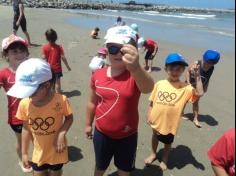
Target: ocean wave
{"x":198,"y":15}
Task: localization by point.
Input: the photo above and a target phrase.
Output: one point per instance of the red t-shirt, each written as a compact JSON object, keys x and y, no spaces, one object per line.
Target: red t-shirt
{"x":150,"y":45}
{"x":222,"y":153}
{"x":117,"y":110}
{"x":53,"y":55}
{"x":7,"y":80}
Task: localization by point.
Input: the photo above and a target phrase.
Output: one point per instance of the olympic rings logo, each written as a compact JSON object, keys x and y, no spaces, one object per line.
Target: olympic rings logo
{"x":166,"y":96}
{"x":41,"y":123}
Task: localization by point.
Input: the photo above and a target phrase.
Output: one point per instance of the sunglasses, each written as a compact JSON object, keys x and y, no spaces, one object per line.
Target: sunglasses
{"x":114,"y":50}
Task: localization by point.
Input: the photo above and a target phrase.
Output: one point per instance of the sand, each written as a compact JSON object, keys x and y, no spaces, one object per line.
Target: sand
{"x":189,"y":154}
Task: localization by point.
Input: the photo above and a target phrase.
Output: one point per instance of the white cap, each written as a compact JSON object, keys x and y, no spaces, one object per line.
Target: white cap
{"x":120,"y":35}
{"x":29,"y":75}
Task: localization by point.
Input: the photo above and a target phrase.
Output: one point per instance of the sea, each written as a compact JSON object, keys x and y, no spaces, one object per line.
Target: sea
{"x":206,"y":30}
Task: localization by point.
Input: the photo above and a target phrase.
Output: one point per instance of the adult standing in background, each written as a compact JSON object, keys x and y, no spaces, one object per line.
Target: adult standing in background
{"x":19,"y":19}
{"x":119,"y":22}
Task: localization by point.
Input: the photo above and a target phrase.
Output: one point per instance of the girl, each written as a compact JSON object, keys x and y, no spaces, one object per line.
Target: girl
{"x":54,"y":53}
{"x":46,"y":116}
{"x":15,"y":51}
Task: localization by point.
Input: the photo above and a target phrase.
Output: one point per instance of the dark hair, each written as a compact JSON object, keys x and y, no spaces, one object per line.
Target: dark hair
{"x":51,"y":35}
{"x":13,"y":46}
{"x":97,"y":29}
{"x":174,"y":64}
{"x":119,"y":19}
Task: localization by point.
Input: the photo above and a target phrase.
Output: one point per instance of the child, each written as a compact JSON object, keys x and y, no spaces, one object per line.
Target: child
{"x":210,"y":58}
{"x":15,"y":50}
{"x":94,"y":33}
{"x":54,"y":53}
{"x":167,"y":101}
{"x":113,"y":102}
{"x":46,"y":116}
{"x":152,"y":48}
{"x":19,"y":19}
{"x":222,"y":154}
{"x":99,"y":61}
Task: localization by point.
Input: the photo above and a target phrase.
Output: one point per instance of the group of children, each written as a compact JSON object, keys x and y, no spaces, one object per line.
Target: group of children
{"x":39,"y":113}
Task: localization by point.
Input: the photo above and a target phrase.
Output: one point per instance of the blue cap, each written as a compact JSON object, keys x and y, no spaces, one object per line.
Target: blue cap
{"x":211,"y":55}
{"x":134,"y":27}
{"x":175,"y":58}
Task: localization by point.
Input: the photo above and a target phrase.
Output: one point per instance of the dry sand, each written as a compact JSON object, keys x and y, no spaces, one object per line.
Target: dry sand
{"x":189,"y":154}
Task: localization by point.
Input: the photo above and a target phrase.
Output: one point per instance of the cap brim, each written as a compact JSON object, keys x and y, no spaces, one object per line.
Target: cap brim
{"x":118,"y":40}
{"x":21,"y":91}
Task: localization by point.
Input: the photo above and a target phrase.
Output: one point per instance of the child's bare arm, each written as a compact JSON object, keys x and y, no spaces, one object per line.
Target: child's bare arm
{"x":219,"y":171}
{"x":26,"y":138}
{"x":199,"y":87}
{"x":143,"y":80}
{"x":149,"y":111}
{"x":63,"y":58}
{"x":60,"y":141}
{"x":91,"y":107}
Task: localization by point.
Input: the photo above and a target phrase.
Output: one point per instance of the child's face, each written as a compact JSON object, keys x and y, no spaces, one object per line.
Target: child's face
{"x":16,"y":56}
{"x":115,"y":56}
{"x":174,"y":72}
{"x":41,"y":93}
{"x":102,"y":55}
{"x":208,"y":64}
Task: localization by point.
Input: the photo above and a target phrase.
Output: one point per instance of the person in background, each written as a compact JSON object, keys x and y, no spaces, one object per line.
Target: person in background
{"x":119,"y":22}
{"x":20,"y":20}
{"x":99,"y":61}
{"x":151,"y":47}
{"x":15,"y":51}
{"x":207,"y":66}
{"x":94,"y":33}
{"x":54,"y":53}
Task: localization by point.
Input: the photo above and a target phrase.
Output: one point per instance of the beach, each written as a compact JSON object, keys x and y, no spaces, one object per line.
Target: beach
{"x":189,"y":154}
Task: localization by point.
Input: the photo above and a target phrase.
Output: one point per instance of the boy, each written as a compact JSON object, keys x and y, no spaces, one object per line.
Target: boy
{"x":113,"y":103}
{"x":54,"y":53}
{"x":152,"y":48}
{"x":210,"y":59}
{"x":167,"y":101}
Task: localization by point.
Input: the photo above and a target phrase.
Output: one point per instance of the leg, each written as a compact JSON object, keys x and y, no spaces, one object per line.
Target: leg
{"x":163,"y":164}
{"x":152,"y":157}
{"x":55,"y":173}
{"x":58,"y":85}
{"x":40,"y":173}
{"x":28,"y":37}
{"x":18,"y":144}
{"x":146,"y":64}
{"x":98,"y":172}
{"x":195,"y":114}
{"x":123,"y":173}
{"x":150,"y":67}
{"x":23,"y":25}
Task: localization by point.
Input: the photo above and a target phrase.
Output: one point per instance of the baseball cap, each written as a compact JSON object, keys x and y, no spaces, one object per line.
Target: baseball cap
{"x":120,"y":35}
{"x":175,"y":58}
{"x":6,"y":42}
{"x":102,"y":51}
{"x":211,"y":55}
{"x":29,"y":75}
{"x":134,"y":26}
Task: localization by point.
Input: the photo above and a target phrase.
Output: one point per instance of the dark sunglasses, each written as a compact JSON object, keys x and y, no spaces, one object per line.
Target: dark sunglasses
{"x":114,"y":50}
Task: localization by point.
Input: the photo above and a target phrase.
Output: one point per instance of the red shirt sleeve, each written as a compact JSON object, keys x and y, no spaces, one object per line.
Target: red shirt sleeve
{"x":222,"y":152}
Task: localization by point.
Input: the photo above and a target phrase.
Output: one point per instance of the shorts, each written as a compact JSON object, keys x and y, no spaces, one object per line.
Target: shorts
{"x":44,"y":167}
{"x":148,"y":56}
{"x":58,"y":75}
{"x":123,"y":151}
{"x":17,"y":128}
{"x":23,"y":23}
{"x":166,"y":139}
